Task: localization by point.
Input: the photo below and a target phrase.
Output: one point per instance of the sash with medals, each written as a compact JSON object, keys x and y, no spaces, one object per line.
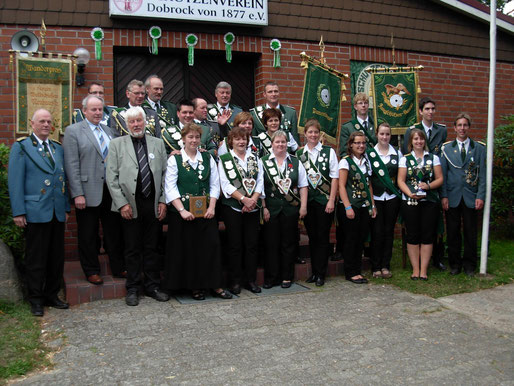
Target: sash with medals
{"x":416,"y":174}
{"x":265,"y":140}
{"x":257,"y":115}
{"x":471,"y":173}
{"x":115,"y":114}
{"x":283,"y":185}
{"x":381,"y":170}
{"x":316,"y":179}
{"x":363,"y":184}
{"x":172,"y":137}
{"x":244,"y":182}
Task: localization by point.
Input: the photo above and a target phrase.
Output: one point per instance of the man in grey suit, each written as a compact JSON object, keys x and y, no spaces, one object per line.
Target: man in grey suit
{"x":463,"y":193}
{"x":135,"y":176}
{"x":86,"y":146}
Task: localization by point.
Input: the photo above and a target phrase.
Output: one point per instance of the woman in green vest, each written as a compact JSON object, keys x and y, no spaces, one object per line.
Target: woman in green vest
{"x":241,"y":186}
{"x":320,"y":162}
{"x":244,"y":120}
{"x":419,"y":177}
{"x":193,"y":258}
{"x":384,"y":160}
{"x":357,"y":206}
{"x":285,"y":187}
{"x":271,"y":120}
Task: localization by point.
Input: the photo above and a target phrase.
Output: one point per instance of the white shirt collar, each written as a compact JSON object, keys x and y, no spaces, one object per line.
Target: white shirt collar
{"x":186,"y":158}
{"x":318,"y":147}
{"x":227,"y":106}
{"x":390,"y":151}
{"x":245,"y":157}
{"x":272,"y":155}
{"x":465,"y":142}
{"x":426,"y":127}
{"x":269,"y":107}
{"x":40,"y":141}
{"x":361,"y":121}
{"x":359,"y":161}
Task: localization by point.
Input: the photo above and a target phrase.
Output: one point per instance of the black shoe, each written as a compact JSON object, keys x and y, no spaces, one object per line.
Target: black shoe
{"x":440,"y":266}
{"x":336,"y":256}
{"x":57,"y":303}
{"x":320,"y":281}
{"x":198,"y":295}
{"x":455,"y":271}
{"x":253,"y":287}
{"x":267,"y":285}
{"x":470,"y":273}
{"x":311,"y":279}
{"x":158,"y":295}
{"x":358,"y":281}
{"x":286,"y":283}
{"x":223,"y":294}
{"x":132,"y":299}
{"x":37,"y":309}
{"x":414,"y":278}
{"x":235,"y":289}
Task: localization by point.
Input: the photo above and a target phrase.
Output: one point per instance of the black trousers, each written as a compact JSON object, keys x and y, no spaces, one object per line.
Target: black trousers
{"x":382,"y":233}
{"x":355,"y":232}
{"x":88,"y":227}
{"x":141,"y":237}
{"x":280,"y":239}
{"x":242,"y":244}
{"x":44,"y":259}
{"x":468,"y":218}
{"x":318,"y":222}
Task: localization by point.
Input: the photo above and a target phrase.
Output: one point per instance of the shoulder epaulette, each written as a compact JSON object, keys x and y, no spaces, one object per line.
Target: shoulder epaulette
{"x":21,"y":139}
{"x":447,"y":142}
{"x":346,"y":156}
{"x":441,"y":124}
{"x":56,"y":141}
{"x":412,"y":127}
{"x":481,"y":143}
{"x":290,"y":107}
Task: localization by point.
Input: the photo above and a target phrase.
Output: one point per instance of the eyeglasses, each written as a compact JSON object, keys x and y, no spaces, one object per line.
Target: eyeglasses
{"x":359,"y":143}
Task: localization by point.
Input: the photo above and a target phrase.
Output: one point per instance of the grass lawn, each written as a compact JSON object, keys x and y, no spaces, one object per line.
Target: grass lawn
{"x":500,"y":269}
{"x":21,"y":346}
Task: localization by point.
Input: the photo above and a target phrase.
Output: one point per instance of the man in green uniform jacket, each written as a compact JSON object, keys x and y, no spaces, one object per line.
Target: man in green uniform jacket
{"x":166,"y":111}
{"x":362,"y":122}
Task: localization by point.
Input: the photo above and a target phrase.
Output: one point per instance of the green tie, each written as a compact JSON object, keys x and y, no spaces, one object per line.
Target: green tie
{"x":462,"y":152}
{"x":47,"y":152}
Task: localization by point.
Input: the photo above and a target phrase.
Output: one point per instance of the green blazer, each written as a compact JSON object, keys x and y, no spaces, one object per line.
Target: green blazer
{"x":122,"y":171}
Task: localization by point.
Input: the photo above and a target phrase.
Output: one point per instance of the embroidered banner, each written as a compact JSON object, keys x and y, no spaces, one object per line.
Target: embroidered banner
{"x":43,"y":83}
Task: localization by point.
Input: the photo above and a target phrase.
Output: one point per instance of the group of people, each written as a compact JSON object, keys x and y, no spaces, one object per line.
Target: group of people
{"x":193,"y":164}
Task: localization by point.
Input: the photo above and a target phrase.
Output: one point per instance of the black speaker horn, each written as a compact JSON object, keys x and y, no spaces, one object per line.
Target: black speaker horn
{"x":24,"y":41}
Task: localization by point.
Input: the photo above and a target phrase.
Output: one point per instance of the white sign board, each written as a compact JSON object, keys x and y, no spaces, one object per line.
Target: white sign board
{"x":252,"y":12}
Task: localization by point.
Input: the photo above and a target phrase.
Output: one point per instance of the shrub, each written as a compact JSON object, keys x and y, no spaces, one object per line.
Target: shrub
{"x":11,"y":235}
{"x":502,"y":201}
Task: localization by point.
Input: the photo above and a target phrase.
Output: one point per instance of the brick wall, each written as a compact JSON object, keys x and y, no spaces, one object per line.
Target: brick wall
{"x":456,"y":84}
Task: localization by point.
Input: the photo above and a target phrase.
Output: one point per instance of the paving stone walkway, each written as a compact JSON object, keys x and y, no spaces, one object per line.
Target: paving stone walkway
{"x":340,"y":334}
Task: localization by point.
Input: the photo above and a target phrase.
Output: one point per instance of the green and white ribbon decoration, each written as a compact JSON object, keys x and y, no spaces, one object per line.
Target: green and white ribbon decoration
{"x":191,"y":41}
{"x":155,"y":33}
{"x":229,"y":39}
{"x":275,"y":45}
{"x":97,"y":34}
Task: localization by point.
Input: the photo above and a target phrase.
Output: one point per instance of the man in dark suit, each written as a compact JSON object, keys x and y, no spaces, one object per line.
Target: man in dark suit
{"x":86,"y":145}
{"x":40,"y":205}
{"x":289,"y":121}
{"x":463,"y":193}
{"x":362,"y":122}
{"x":223,"y":111}
{"x":436,"y":135}
{"x":200,"y":116}
{"x":98,"y":90}
{"x":136,"y":96}
{"x":135,"y":175}
{"x":166,"y":110}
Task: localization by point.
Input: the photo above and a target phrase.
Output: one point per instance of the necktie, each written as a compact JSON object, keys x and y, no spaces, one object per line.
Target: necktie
{"x":365,"y":125}
{"x":47,"y":152}
{"x":103,"y":145}
{"x":143,"y":169}
{"x":462,"y":152}
{"x":428,"y":135}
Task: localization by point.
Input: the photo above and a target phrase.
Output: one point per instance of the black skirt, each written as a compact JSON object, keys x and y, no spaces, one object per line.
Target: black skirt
{"x":193,"y":259}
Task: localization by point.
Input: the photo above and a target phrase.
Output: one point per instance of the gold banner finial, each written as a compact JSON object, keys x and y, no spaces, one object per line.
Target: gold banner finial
{"x":322,"y":50}
{"x":42,"y":33}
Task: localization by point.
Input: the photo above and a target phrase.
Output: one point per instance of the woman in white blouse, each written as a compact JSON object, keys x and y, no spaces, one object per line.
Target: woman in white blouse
{"x":241,"y":178}
{"x":193,"y":259}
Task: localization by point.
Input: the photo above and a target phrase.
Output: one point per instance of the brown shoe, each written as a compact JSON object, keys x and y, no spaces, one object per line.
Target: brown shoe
{"x":386,"y":274}
{"x":95,"y":279}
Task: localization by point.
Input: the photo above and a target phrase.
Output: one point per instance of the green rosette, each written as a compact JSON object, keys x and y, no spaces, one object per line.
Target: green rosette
{"x":155,"y":33}
{"x":229,"y":39}
{"x":97,"y":34}
{"x":191,"y":41}
{"x":275,"y":46}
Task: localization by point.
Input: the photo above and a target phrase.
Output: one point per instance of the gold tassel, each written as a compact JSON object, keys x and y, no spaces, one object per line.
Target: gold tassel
{"x":343,"y":98}
{"x":11,"y":60}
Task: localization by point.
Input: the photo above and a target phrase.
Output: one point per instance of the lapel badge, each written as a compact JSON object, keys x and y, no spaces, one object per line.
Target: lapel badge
{"x":47,"y":182}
